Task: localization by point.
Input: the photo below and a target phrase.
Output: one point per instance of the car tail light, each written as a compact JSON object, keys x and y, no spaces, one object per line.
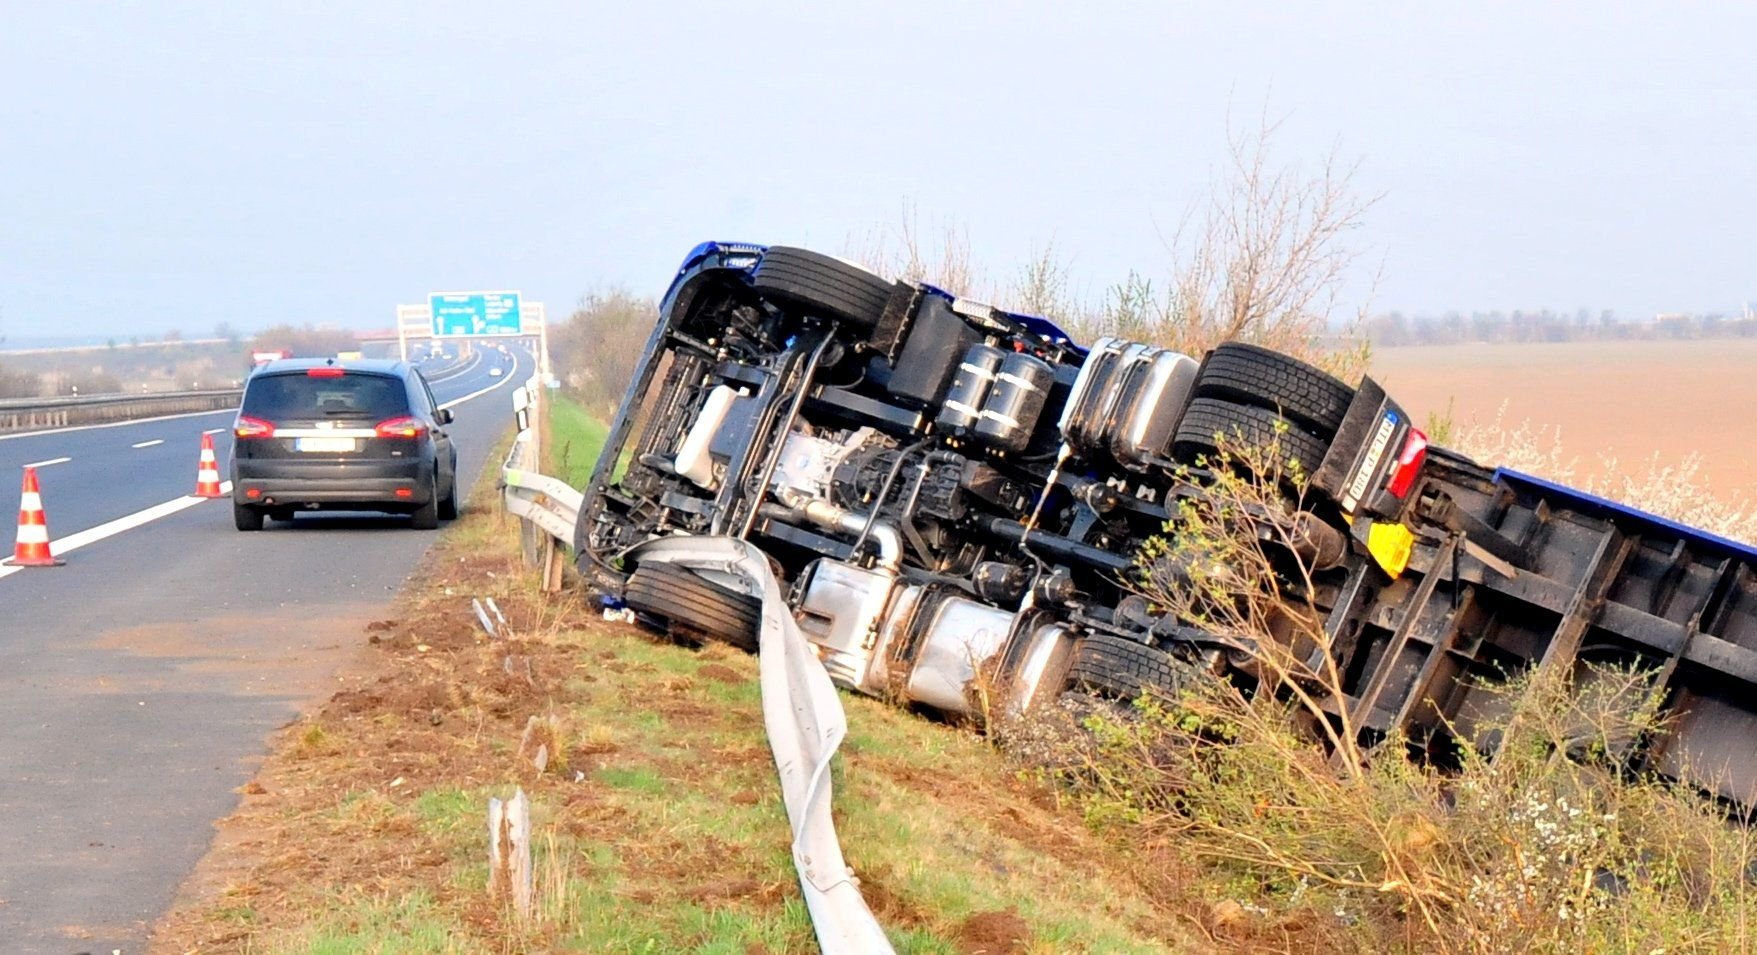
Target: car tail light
{"x":404,"y":427}
{"x":1415,"y":451}
{"x":325,"y":372}
{"x":247,"y":427}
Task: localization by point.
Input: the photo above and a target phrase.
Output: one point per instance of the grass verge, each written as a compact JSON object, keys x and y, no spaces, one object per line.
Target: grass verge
{"x":658,"y":821}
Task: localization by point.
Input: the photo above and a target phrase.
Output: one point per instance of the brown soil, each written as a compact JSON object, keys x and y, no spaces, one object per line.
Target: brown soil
{"x":994,"y":933}
{"x":439,"y":706}
{"x":1627,"y":400}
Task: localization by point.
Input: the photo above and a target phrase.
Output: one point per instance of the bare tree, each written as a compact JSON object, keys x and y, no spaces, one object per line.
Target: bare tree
{"x":1262,"y":259}
{"x":905,"y":253}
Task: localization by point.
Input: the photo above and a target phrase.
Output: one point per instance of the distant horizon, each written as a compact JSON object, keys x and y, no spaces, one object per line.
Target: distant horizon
{"x":180,"y":165}
{"x":13,"y":344}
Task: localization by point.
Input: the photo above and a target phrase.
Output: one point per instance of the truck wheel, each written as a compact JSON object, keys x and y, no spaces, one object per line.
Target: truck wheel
{"x":1209,"y":419}
{"x":822,"y":284}
{"x":1256,"y":376}
{"x":1122,"y":669}
{"x":694,"y":606}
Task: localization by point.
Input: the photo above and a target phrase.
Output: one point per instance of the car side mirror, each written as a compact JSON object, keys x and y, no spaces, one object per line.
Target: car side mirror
{"x":445,"y":416}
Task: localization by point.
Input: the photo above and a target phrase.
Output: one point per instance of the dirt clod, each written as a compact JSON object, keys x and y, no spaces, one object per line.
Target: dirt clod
{"x":993,"y":933}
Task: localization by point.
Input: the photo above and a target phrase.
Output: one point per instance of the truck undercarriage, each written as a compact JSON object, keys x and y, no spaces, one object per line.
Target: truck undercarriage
{"x":958,"y":496}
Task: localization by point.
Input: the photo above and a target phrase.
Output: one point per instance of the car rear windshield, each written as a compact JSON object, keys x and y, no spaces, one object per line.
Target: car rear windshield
{"x":350,"y":395}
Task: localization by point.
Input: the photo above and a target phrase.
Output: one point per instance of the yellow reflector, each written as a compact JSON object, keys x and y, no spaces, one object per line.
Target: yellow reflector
{"x":1390,"y":545}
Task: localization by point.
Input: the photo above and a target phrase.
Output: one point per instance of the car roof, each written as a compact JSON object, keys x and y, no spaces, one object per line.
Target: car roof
{"x":372,"y":366}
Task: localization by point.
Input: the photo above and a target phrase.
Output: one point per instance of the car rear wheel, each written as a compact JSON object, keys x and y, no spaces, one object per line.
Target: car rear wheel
{"x":426,"y":517}
{"x":246,"y":517}
{"x":693,"y":607}
{"x":448,"y":505}
{"x":823,"y":284}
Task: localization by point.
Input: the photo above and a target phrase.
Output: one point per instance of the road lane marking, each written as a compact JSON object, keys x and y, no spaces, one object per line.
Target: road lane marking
{"x":148,"y":444}
{"x":44,"y":464}
{"x":476,"y":394}
{"x":75,"y":541}
{"x":215,"y":430}
{"x":92,"y":535}
{"x":477,"y":360}
{"x":117,"y":424}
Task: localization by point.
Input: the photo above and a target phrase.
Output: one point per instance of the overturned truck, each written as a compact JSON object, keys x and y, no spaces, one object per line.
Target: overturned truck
{"x":956,"y":494}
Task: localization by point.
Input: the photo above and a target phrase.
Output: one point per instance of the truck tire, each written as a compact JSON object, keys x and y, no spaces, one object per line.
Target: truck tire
{"x":690,"y":604}
{"x":825,"y":285}
{"x":1206,"y":419}
{"x":1122,"y":669}
{"x":1256,"y":376}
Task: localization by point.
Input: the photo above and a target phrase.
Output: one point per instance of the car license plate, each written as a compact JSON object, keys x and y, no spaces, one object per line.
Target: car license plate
{"x":323,"y":445}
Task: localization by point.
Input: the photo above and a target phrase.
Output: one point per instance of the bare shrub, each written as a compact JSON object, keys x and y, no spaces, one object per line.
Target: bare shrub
{"x":599,"y":345}
{"x":1260,"y":259}
{"x":1535,"y":841}
{"x":941,"y":256}
{"x":304,"y":341}
{"x":16,"y":383}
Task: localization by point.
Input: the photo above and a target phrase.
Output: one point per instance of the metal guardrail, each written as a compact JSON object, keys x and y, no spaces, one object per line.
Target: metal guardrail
{"x":802,"y":713}
{"x":33,"y":414}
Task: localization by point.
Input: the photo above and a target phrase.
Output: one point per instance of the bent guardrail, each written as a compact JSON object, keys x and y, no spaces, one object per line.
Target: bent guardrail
{"x":802,"y":714}
{"x":35,"y":414}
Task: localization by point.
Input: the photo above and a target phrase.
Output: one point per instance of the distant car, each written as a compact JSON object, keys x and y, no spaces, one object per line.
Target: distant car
{"x":359,"y":436}
{"x":494,"y":373}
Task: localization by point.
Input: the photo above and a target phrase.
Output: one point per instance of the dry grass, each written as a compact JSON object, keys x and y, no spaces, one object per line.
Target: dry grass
{"x":657,"y":818}
{"x":1547,"y":846}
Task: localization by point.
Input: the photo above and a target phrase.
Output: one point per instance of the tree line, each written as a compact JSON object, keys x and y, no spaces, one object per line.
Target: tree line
{"x":1391,"y":329}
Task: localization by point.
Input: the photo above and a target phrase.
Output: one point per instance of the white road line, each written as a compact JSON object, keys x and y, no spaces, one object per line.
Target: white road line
{"x":215,"y":430}
{"x":75,"y":541}
{"x":148,"y":444}
{"x":116,"y":424}
{"x":477,"y":394}
{"x":44,"y":464}
{"x":92,"y":535}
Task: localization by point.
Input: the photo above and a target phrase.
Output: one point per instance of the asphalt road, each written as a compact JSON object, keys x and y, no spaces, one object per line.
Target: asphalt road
{"x":139,"y":682}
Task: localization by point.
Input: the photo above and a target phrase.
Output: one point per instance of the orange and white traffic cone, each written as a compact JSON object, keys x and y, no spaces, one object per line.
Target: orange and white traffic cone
{"x":207,"y":474}
{"x":33,"y":529}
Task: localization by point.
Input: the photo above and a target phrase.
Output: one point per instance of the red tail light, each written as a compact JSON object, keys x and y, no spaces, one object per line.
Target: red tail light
{"x":248,"y":427}
{"x":1415,"y":451}
{"x":404,"y":427}
{"x":325,"y":372}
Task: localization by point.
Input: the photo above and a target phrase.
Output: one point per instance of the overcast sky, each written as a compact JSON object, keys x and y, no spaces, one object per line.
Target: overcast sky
{"x":175,"y":165}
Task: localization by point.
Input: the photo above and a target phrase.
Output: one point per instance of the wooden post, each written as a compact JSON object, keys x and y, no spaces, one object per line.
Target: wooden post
{"x":509,"y":851}
{"x":553,"y":564}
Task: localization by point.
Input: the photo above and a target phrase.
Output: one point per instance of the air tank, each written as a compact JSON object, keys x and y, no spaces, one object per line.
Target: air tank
{"x":970,"y":386}
{"x":1010,"y":413}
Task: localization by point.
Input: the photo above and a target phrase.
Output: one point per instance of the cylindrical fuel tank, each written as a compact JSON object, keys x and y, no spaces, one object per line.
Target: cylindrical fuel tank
{"x":970,"y":387}
{"x":1015,"y":402}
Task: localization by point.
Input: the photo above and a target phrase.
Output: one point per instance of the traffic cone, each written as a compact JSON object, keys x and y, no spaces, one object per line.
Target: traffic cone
{"x":207,"y":474}
{"x":33,"y":529}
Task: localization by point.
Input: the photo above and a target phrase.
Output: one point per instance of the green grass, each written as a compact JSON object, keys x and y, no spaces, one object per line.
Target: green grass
{"x":672,"y":837}
{"x":574,"y":441}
